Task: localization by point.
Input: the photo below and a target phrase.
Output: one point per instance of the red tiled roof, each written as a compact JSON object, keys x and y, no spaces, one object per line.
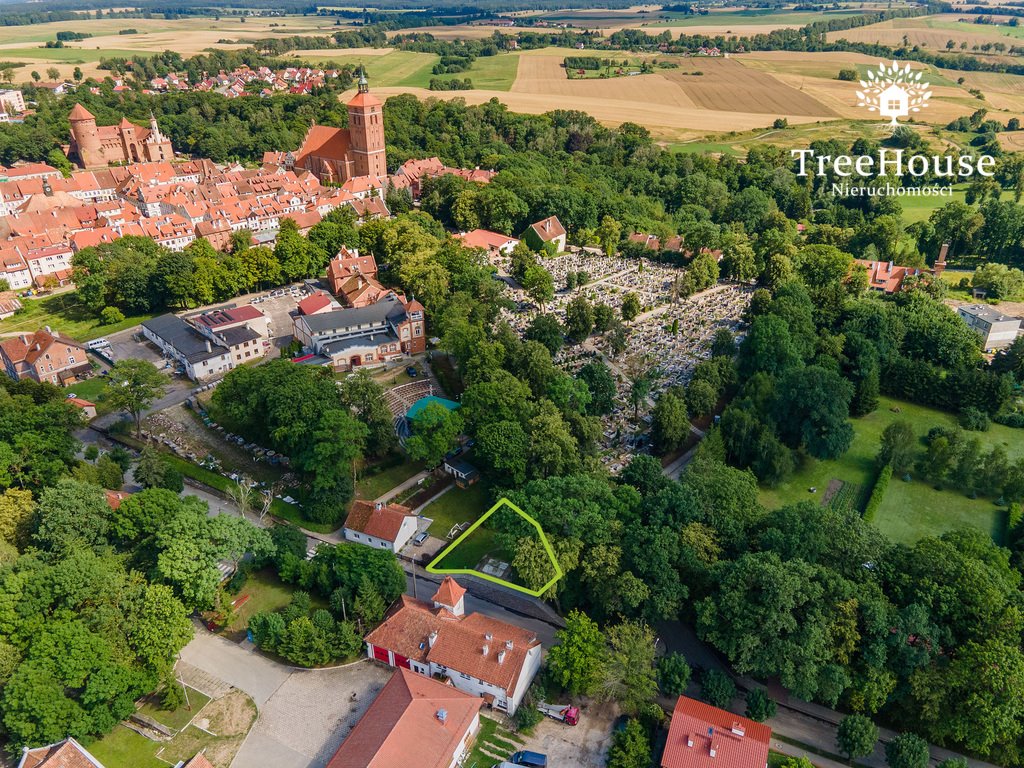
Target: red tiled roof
{"x":312,"y":304}
{"x":737,"y":741}
{"x":459,"y":642}
{"x":199,"y":761}
{"x":364,"y":100}
{"x":80,"y":113}
{"x":482,"y":238}
{"x":64,"y":754}
{"x":403,"y":728}
{"x":324,"y":141}
{"x":383,"y":523}
{"x":548,"y":229}
{"x":114,"y":498}
{"x":449,"y":593}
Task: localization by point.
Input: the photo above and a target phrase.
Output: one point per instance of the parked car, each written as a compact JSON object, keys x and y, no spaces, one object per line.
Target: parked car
{"x":97,"y":344}
{"x":419,"y":538}
{"x":411,"y":370}
{"x":530,"y":759}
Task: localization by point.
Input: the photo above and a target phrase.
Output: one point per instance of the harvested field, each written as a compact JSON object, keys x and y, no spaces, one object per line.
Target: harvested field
{"x":1012,"y":142}
{"x":728,"y":86}
{"x":814,"y":74}
{"x":1001,"y":91}
{"x":929,"y":31}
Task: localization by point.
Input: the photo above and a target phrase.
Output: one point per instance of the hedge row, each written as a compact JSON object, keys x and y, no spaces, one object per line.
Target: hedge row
{"x":878,"y":492}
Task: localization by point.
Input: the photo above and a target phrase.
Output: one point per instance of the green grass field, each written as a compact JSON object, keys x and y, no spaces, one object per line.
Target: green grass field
{"x":909,"y":511}
{"x":175,"y":718}
{"x":71,"y":55}
{"x":95,"y":391}
{"x":65,"y":314}
{"x":373,"y":485}
{"x":409,"y":69}
{"x":915,"y":509}
{"x":123,"y":748}
{"x":266,"y":593}
{"x":458,"y":506}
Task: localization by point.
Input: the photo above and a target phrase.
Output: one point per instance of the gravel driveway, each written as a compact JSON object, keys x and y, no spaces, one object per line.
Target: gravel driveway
{"x":304,"y":714}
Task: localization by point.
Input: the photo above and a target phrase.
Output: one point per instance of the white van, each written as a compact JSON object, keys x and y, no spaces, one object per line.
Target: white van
{"x":97,"y":344}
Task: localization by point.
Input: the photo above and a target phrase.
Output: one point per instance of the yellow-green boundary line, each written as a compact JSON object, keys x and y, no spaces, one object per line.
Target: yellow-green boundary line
{"x":432,"y":567}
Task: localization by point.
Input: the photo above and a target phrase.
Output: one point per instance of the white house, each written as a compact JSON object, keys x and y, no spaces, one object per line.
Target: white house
{"x":996,"y":330}
{"x":380,"y":526}
{"x":477,"y":654}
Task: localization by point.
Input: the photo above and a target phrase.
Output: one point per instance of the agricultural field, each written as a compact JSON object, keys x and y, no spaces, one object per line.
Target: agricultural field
{"x":187,"y":36}
{"x":932,"y":32}
{"x":388,"y":68}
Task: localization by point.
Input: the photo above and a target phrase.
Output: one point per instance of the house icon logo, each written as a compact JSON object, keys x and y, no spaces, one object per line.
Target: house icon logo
{"x":893,"y":91}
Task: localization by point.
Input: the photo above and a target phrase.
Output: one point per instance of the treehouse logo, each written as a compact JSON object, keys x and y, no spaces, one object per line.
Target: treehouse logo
{"x":894,"y":92}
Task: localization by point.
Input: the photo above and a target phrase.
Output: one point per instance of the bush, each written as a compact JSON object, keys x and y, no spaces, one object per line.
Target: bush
{"x":527,"y":716}
{"x":91,"y":453}
{"x":974,"y":419}
{"x":1014,"y":516}
{"x":111,"y":315}
{"x":781,"y":122}
{"x":878,"y":492}
{"x":717,"y":688}
{"x":848,"y":75}
{"x":760,"y":706}
{"x":673,"y":674}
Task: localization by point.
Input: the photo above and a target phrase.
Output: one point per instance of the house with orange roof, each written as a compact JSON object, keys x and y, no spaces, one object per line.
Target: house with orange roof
{"x":64,"y":754}
{"x":353,"y":278}
{"x":886,"y":276}
{"x":88,"y":408}
{"x":703,"y":736}
{"x":14,"y":269}
{"x":549,"y":230}
{"x":414,"y":721}
{"x":379,"y":525}
{"x":493,"y":242}
{"x":477,"y":654}
{"x":45,"y":356}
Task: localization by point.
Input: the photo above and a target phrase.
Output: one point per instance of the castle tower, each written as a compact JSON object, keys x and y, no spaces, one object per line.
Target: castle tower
{"x":366,"y":132}
{"x":158,"y":146}
{"x":85,"y":137}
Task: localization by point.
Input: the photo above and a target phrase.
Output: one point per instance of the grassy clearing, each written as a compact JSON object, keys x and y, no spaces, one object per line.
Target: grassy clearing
{"x":495,"y":739}
{"x":176,"y":719}
{"x":909,"y":510}
{"x":71,"y":55}
{"x":373,"y":485}
{"x":458,"y":506}
{"x":266,"y":592}
{"x":398,"y":68}
{"x":124,"y":748}
{"x":65,"y":314}
{"x":95,"y":390}
{"x":494,"y":73}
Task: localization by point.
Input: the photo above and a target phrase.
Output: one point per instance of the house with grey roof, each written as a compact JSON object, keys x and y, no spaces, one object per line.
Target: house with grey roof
{"x":996,"y":330}
{"x":205,"y":351}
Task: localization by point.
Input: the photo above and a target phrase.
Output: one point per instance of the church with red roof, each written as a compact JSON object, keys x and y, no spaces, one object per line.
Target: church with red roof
{"x":336,"y":155}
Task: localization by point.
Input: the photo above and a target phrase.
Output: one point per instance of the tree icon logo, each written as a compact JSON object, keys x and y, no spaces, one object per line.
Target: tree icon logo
{"x":894,"y":91}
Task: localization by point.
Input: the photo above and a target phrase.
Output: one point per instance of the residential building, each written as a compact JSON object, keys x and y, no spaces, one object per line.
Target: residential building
{"x":412,"y":173}
{"x":202,"y":348}
{"x":94,"y":145}
{"x":887,"y":277}
{"x":995,"y":329}
{"x":316,"y":303}
{"x":8,"y":306}
{"x":549,"y":230}
{"x":413,"y":722}
{"x":702,"y":736}
{"x":234,"y":317}
{"x":14,"y":269}
{"x":364,"y":336}
{"x":353,"y":279}
{"x":12,"y":102}
{"x":493,"y":242}
{"x":379,"y":525}
{"x":465,"y":474}
{"x":479,"y":655}
{"x":336,"y":155}
{"x":45,"y":356}
{"x":64,"y":754}
{"x":88,"y":408}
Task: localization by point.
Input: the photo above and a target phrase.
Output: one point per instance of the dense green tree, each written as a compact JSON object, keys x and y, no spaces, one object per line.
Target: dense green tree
{"x":576,"y":661}
{"x":579,"y":319}
{"x":760,"y":706}
{"x":671,"y":424}
{"x":435,"y":431}
{"x":717,"y":688}
{"x":907,"y":750}
{"x":673,"y":674}
{"x":856,"y":737}
{"x":628,"y":675}
{"x":630,"y":747}
{"x":133,"y":386}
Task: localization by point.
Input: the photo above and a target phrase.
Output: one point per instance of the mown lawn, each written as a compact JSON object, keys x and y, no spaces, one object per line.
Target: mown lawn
{"x":64,"y":313}
{"x":458,"y":506}
{"x":493,"y":73}
{"x":124,"y":748}
{"x":176,"y":718}
{"x":95,"y":391}
{"x":909,"y":511}
{"x":266,"y":593}
{"x":373,"y":485}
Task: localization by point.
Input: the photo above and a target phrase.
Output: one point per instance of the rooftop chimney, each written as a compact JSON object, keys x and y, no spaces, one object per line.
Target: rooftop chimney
{"x":737,"y":729}
{"x":488,"y":637}
{"x":432,"y":638}
{"x":689,"y":739}
{"x":508,"y":644}
{"x":712,"y":750}
{"x":209,"y":347}
{"x":442,"y":716}
{"x":501,"y":657}
{"x":486,"y":649}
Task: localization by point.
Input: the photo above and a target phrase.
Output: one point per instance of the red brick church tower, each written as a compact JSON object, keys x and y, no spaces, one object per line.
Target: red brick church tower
{"x":366,"y":132}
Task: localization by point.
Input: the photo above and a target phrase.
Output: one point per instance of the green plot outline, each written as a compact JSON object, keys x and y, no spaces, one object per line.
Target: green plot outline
{"x":432,"y":567}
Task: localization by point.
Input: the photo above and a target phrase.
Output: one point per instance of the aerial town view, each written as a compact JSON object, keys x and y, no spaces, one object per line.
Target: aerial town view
{"x":512,"y":383}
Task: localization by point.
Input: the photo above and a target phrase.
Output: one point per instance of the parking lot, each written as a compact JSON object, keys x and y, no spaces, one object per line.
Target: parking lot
{"x":576,"y":746}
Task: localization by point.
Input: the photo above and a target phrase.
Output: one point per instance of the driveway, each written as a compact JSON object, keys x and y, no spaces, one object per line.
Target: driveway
{"x":575,"y":746}
{"x":304,"y":714}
